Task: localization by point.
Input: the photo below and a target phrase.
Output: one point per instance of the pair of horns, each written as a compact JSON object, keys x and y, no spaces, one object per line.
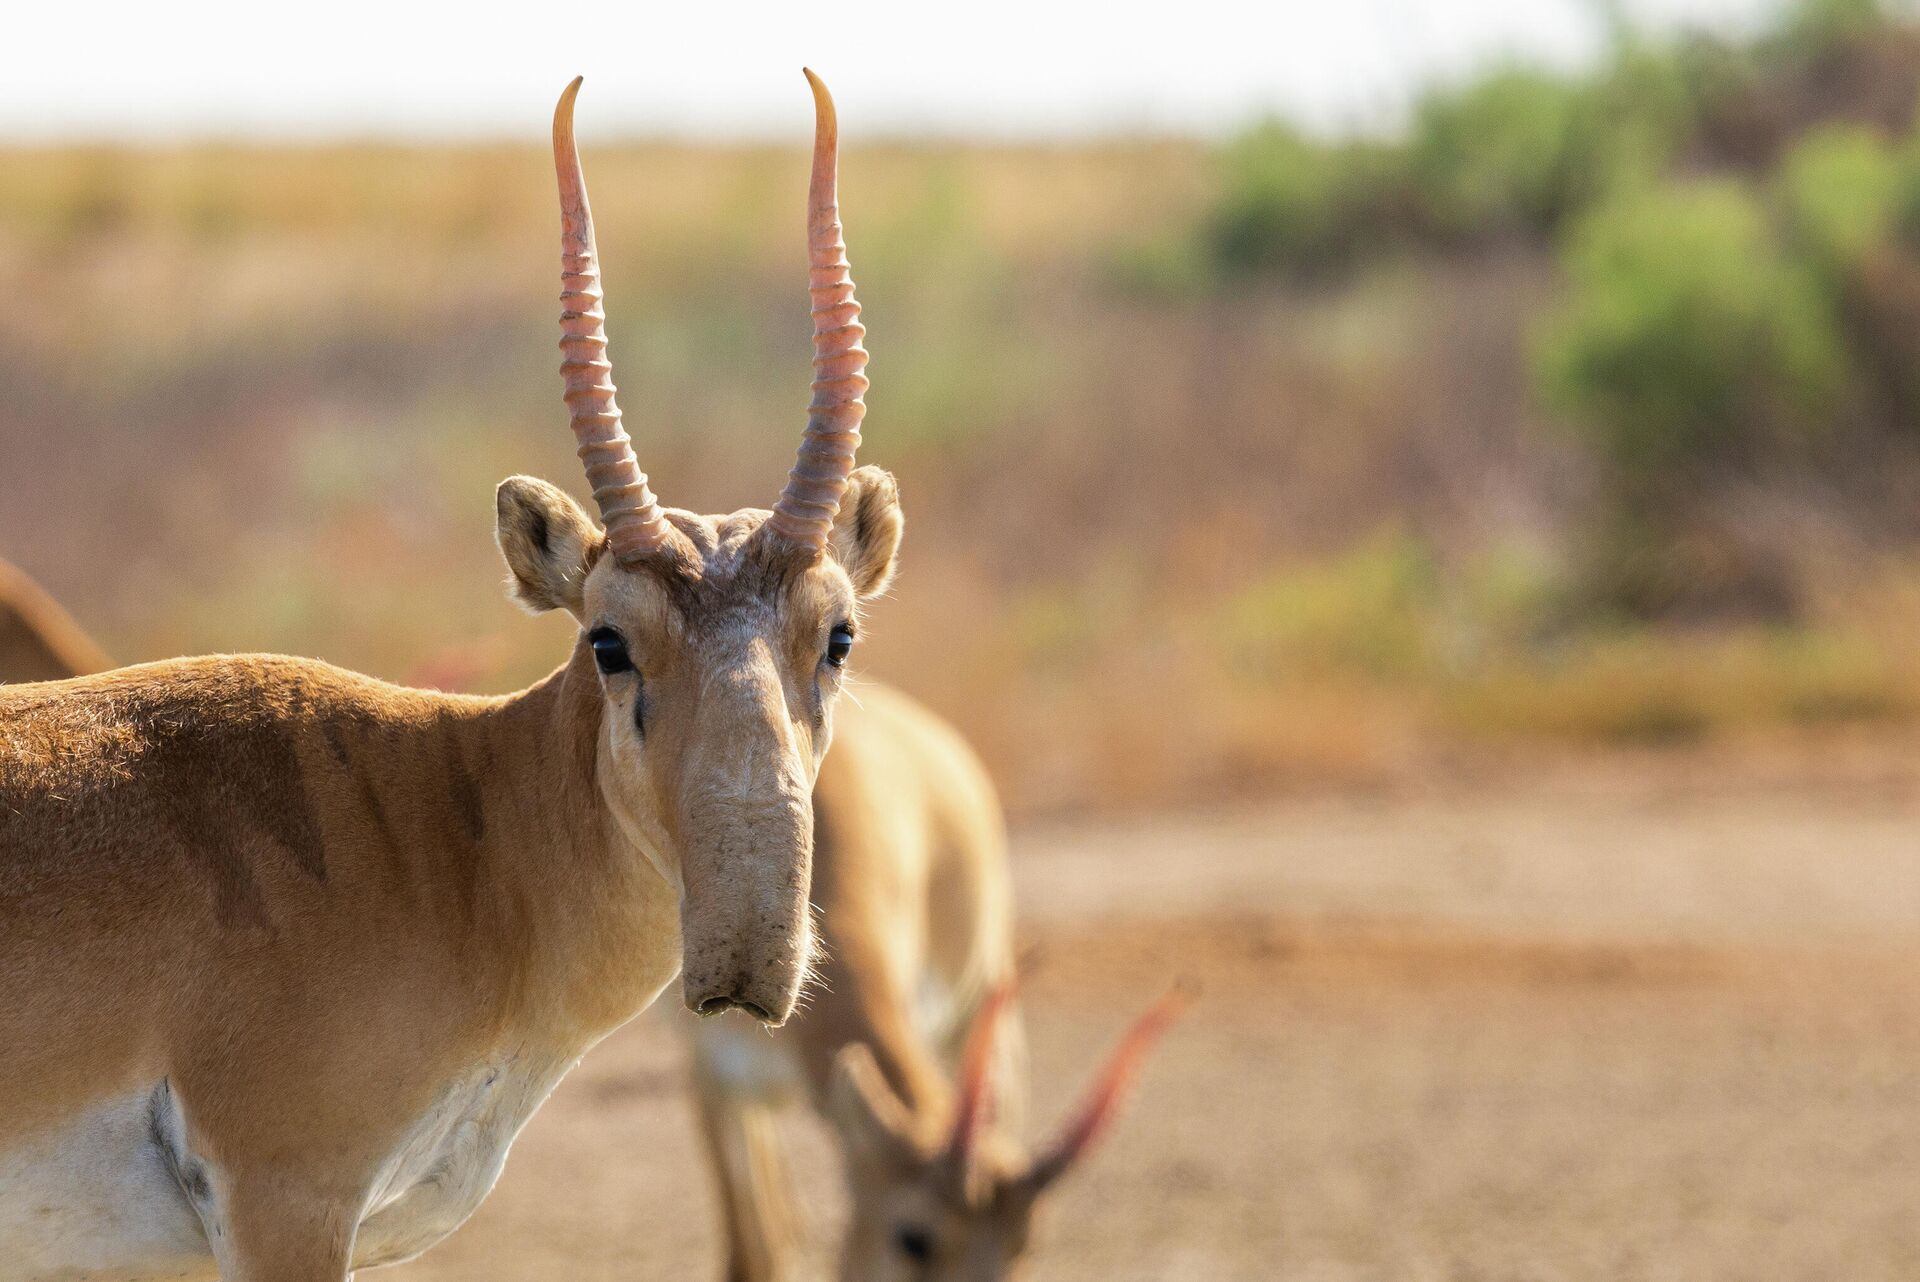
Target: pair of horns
{"x":636,"y":528}
{"x":973,"y":1109}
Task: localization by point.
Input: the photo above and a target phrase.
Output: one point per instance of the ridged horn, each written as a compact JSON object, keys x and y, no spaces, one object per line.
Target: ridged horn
{"x":804,"y":515}
{"x":973,"y":1103}
{"x":1102,"y":1101}
{"x":635,"y":528}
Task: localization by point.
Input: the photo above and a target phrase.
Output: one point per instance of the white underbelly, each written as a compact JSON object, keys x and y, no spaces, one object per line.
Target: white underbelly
{"x":96,"y":1198}
{"x":93,"y":1198}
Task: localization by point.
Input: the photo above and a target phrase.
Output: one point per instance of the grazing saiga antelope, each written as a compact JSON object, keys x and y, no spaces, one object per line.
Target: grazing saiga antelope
{"x":38,"y":640}
{"x":911,"y":879}
{"x":289,"y":955}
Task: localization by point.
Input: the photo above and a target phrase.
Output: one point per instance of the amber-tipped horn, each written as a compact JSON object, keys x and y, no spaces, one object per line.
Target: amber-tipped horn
{"x":635,"y":528}
{"x":973,"y":1106}
{"x":804,"y":515}
{"x":1102,"y":1101}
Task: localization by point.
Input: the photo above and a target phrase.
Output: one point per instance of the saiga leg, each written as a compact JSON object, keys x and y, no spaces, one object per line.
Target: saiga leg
{"x":756,"y":1190}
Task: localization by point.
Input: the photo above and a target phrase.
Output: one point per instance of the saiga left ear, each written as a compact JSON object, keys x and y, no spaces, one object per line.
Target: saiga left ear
{"x":866,"y":533}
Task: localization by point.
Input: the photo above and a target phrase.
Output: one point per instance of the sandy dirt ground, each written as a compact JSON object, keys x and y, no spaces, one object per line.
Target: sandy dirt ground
{"x":1643,"y":1022}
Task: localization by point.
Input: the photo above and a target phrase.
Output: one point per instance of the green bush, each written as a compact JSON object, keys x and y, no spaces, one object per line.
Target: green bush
{"x":1290,"y":203}
{"x":1843,"y":189}
{"x":1528,"y":149}
{"x":1515,"y":149}
{"x":1816,"y":25}
{"x":1852,"y":203}
{"x":1687,"y":332}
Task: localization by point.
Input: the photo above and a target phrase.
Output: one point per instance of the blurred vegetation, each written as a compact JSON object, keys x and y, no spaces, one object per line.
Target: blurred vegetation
{"x":1685,"y":331}
{"x":1585,"y":409}
{"x":1736,"y":232}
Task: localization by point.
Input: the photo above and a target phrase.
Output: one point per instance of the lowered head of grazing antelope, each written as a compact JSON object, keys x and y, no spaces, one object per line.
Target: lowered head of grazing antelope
{"x":957,"y":1205}
{"x":719,"y":640}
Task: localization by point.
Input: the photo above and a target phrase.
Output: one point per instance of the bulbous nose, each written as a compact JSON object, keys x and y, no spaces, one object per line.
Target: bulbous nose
{"x":746,"y":826}
{"x":745,"y":931}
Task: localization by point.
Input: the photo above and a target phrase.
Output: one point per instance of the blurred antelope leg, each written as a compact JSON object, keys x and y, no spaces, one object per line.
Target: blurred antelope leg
{"x":756,"y":1189}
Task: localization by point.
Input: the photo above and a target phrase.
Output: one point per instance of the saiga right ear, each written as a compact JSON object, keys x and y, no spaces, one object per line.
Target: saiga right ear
{"x":866,"y":1111}
{"x":548,"y":541}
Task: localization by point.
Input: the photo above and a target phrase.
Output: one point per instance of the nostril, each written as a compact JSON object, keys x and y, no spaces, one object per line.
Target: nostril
{"x":719,"y":1005}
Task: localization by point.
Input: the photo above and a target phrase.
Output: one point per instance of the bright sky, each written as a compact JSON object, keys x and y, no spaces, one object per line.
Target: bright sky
{"x":1031,"y":67}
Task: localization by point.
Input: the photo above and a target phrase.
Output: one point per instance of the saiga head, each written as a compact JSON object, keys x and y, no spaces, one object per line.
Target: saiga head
{"x":719,"y":640}
{"x":958,"y":1206}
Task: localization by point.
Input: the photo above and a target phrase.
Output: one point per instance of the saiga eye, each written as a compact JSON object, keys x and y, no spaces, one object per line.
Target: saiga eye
{"x":609,"y":651}
{"x":839,"y":644}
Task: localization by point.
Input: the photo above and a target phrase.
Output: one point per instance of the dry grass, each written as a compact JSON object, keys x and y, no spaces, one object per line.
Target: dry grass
{"x":1161,"y":545}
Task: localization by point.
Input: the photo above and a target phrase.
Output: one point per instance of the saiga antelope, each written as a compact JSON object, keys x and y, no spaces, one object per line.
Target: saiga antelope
{"x":909,"y":851}
{"x":911,"y":879}
{"x":290,"y":955}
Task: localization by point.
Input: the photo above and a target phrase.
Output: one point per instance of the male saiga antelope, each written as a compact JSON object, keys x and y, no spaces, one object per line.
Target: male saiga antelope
{"x":911,"y":878}
{"x":289,"y":955}
{"x":909,"y":851}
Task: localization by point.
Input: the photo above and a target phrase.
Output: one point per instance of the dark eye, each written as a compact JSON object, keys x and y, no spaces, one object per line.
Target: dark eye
{"x":609,"y":650}
{"x":914,"y":1242}
{"x":839,"y":644}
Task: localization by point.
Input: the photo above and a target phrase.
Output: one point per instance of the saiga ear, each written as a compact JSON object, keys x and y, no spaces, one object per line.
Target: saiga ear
{"x":866,"y":533}
{"x":548,"y":541}
{"x":864,"y":1109}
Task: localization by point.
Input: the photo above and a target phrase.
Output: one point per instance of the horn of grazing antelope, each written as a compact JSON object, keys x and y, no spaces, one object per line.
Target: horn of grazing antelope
{"x":804,"y":514}
{"x":1102,"y":1100}
{"x":635,"y":527}
{"x":973,"y":1105}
